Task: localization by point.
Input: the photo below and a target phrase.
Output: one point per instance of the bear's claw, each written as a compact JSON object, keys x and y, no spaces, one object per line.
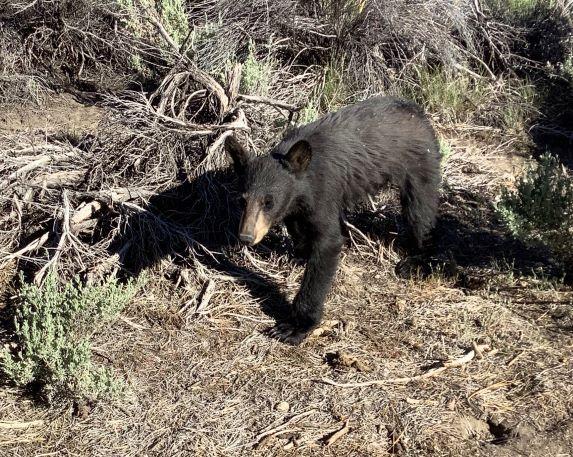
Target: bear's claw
{"x":287,"y":333}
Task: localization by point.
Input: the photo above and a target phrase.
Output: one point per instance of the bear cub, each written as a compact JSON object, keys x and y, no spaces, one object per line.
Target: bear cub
{"x":321,"y":169}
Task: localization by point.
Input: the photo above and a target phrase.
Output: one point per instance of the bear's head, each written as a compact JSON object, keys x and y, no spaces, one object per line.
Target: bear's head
{"x":269,"y":185}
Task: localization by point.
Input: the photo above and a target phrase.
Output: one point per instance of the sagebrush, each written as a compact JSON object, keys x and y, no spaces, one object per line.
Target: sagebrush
{"x":53,"y":328}
{"x":541,"y":206}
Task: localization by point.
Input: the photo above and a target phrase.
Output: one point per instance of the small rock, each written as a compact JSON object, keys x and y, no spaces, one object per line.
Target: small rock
{"x":282,"y":406}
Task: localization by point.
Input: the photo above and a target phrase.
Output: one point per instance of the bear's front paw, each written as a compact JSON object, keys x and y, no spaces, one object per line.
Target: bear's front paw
{"x":287,"y":333}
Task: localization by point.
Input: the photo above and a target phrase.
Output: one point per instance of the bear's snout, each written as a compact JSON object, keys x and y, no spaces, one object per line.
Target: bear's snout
{"x":254,"y":224}
{"x":247,"y":238}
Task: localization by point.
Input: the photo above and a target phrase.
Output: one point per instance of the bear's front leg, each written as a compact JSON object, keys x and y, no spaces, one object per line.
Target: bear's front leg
{"x":307,"y":307}
{"x":300,"y":237}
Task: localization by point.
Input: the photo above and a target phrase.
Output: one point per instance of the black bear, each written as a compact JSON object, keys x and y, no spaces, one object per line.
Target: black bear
{"x":319,"y":170}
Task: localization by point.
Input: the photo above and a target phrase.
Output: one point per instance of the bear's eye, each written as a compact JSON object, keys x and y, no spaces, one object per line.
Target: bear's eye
{"x":268,"y":203}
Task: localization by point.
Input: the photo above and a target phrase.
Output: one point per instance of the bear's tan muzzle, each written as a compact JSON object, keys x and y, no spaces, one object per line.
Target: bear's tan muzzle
{"x":254,"y":224}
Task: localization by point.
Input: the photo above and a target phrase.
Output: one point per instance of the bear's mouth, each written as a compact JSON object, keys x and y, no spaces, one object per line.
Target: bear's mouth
{"x":254,"y":224}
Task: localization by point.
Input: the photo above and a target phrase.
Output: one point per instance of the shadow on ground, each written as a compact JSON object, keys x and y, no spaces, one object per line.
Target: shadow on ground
{"x":468,"y":235}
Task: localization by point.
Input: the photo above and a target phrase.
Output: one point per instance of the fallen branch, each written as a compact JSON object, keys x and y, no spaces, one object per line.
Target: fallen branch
{"x":490,"y":387}
{"x":269,"y":101}
{"x":119,"y":194}
{"x":37,"y":162}
{"x":83,"y":214}
{"x":13,"y":425}
{"x":143,"y":109}
{"x":132,"y":324}
{"x":201,"y":299}
{"x":406,"y":380}
{"x":58,"y":179}
{"x":65,"y":233}
{"x":109,"y":265}
{"x":281,"y":428}
{"x":36,"y":244}
{"x":234,"y":80}
{"x":334,"y":437}
{"x":353,"y":228}
{"x":207,"y":163}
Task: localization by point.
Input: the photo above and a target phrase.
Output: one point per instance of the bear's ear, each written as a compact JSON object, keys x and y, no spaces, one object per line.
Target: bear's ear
{"x":239,"y":155}
{"x":298,"y":157}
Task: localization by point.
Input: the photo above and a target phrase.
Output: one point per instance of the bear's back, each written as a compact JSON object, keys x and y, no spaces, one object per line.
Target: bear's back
{"x":362,"y":147}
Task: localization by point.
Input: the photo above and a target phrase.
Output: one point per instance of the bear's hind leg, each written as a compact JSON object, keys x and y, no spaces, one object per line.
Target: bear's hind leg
{"x":420,"y":206}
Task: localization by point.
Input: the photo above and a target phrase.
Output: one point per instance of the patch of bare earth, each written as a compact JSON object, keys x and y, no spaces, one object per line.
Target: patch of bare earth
{"x":472,"y":360}
{"x":58,"y":112}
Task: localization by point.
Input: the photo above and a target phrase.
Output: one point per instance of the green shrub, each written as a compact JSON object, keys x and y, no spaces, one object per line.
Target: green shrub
{"x":172,"y":13}
{"x":174,"y":19}
{"x":309,"y":113}
{"x":567,"y":65}
{"x":213,"y":50}
{"x":518,"y":9}
{"x":330,"y":95}
{"x":516,"y":106}
{"x":335,"y":92}
{"x":541,"y":207}
{"x":53,"y":327}
{"x":453,"y":97}
{"x":256,"y":74}
{"x":445,"y":149}
{"x":341,"y":14}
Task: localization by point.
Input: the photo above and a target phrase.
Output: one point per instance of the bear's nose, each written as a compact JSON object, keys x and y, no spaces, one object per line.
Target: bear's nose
{"x":247,"y":238}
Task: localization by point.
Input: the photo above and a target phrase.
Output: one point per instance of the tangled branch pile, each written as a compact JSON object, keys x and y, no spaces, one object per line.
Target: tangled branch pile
{"x":176,"y":78}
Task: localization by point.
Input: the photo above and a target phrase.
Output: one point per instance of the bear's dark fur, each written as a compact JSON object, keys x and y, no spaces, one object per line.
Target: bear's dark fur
{"x":321,"y":169}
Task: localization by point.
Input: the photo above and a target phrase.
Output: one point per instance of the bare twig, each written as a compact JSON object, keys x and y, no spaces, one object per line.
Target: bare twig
{"x":69,"y":226}
{"x":269,"y":101}
{"x":37,"y":162}
{"x":119,"y":194}
{"x":353,"y":228}
{"x":36,"y":244}
{"x":280,"y":428}
{"x":405,"y":380}
{"x":201,"y":299}
{"x":65,"y":233}
{"x":13,"y":425}
{"x":334,"y":437}
{"x":198,"y":75}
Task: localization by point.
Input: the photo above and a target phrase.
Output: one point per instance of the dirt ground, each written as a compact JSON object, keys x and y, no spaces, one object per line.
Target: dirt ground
{"x":491,"y":333}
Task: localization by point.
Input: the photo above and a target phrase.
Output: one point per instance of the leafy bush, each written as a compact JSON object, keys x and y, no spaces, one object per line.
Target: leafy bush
{"x":172,"y":14}
{"x":512,"y":10}
{"x":256,"y":75}
{"x":454,"y":97}
{"x":541,"y":207}
{"x":516,"y":107}
{"x":53,"y":327}
{"x":445,"y":149}
{"x":174,"y":18}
